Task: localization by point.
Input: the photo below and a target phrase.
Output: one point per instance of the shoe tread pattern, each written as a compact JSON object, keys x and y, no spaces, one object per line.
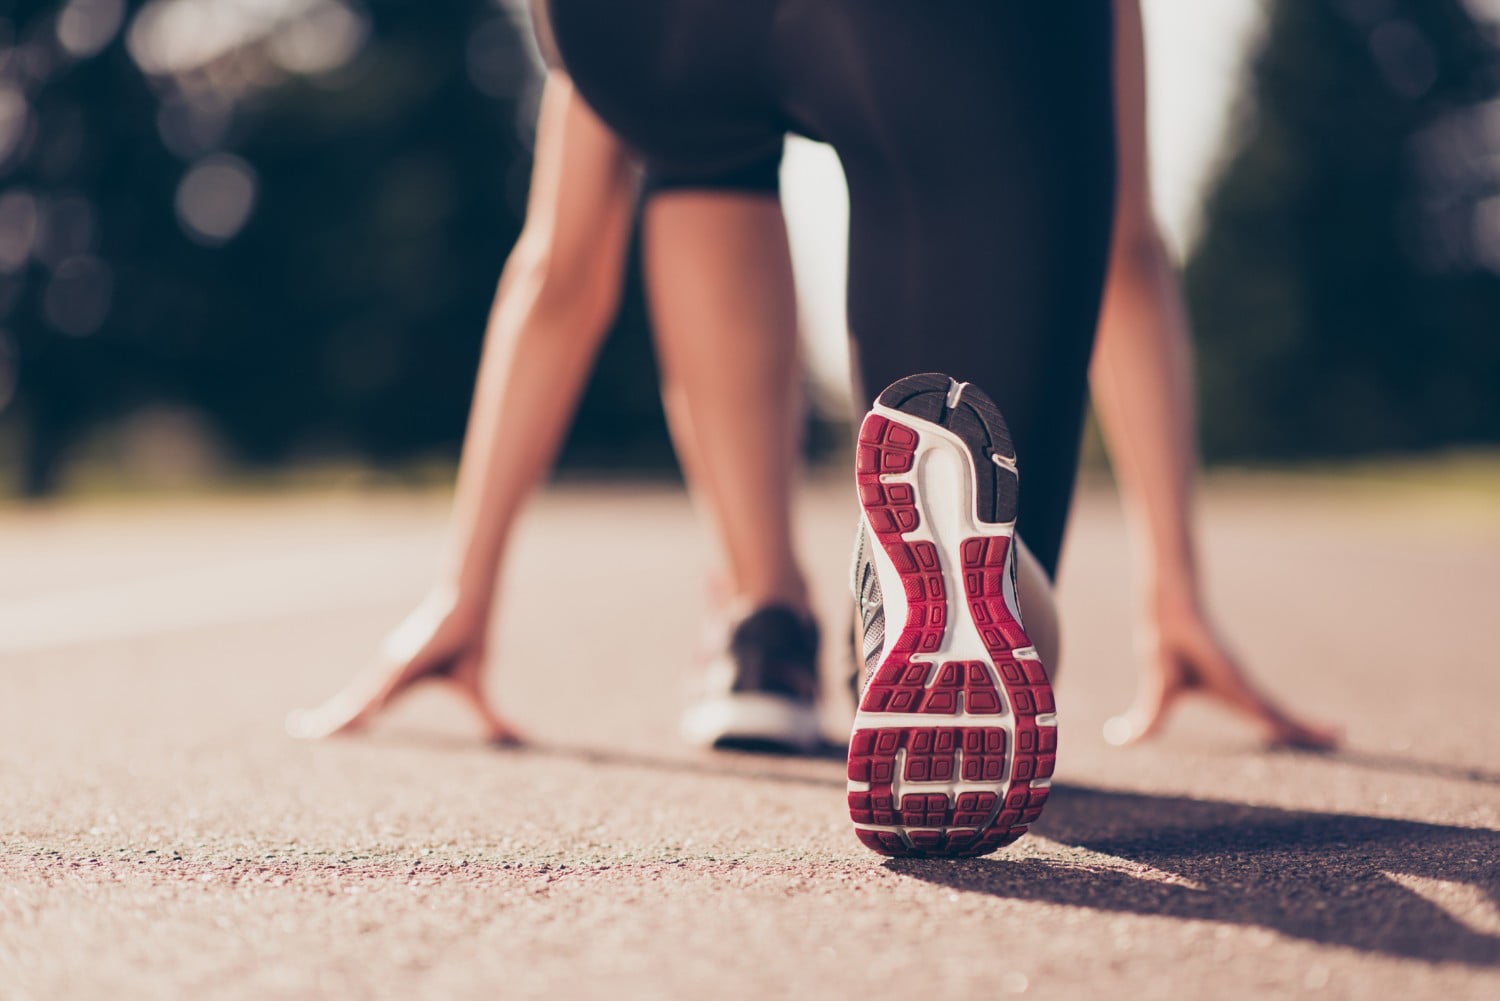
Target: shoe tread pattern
{"x":968,"y":821}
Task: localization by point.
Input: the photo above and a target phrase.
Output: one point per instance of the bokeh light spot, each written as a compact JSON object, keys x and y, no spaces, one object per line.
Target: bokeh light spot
{"x":15,"y":114}
{"x":19,"y":222}
{"x":215,"y":198}
{"x":78,"y":296}
{"x":1486,"y":234}
{"x":86,"y":26}
{"x":179,"y":37}
{"x":67,"y":229}
{"x":1483,"y":10}
{"x":323,"y":39}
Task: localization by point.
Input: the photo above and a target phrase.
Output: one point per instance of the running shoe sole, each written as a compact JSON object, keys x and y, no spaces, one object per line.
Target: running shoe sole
{"x":955,"y":738}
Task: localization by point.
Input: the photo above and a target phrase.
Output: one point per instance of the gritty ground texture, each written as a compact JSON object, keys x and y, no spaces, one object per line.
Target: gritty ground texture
{"x":160,"y":837}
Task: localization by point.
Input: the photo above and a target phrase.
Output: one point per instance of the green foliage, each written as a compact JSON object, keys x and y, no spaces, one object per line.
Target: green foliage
{"x":345,"y":314}
{"x":1345,"y":291}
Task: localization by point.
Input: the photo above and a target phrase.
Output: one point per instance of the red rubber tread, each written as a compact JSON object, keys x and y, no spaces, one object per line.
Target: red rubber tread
{"x":901,"y":686}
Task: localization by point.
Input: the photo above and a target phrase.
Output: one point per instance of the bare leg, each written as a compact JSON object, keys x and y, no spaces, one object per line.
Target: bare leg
{"x":725,"y":318}
{"x":685,"y":444}
{"x":556,"y":297}
{"x":1142,"y":387}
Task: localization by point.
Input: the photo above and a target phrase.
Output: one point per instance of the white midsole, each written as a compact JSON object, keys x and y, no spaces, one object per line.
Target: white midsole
{"x":752,"y":716}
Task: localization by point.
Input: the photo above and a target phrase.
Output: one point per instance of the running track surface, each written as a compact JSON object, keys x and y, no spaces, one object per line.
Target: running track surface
{"x":160,"y":837}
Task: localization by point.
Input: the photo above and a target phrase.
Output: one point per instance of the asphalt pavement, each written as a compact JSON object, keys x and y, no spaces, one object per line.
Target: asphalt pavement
{"x":161,"y":836}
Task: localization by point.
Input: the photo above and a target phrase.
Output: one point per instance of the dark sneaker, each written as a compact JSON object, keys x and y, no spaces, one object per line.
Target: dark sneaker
{"x":760,"y":693}
{"x":955,"y":737}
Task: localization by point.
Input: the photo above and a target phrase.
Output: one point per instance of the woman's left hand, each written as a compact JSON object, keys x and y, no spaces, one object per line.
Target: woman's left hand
{"x":1183,"y":653}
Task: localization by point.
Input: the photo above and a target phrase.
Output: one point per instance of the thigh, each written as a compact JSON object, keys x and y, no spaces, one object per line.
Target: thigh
{"x":978,"y":142}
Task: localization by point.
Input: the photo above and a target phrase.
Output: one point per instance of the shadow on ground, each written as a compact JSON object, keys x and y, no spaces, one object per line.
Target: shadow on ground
{"x":1395,"y":763}
{"x":1331,"y":878}
{"x":1326,"y":877}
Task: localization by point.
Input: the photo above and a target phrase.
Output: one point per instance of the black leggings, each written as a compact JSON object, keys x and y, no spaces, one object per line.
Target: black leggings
{"x":977,"y":137}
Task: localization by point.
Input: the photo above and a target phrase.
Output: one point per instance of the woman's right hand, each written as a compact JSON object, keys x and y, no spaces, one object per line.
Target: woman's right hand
{"x":439,"y":641}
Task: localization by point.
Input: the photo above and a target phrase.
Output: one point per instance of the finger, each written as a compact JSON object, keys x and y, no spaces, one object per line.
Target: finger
{"x":335,"y":717}
{"x":496,"y":729}
{"x":1146,"y":715}
{"x":502,"y":734}
{"x":466,"y":681}
{"x":1281,"y":727}
{"x":1306,"y":736}
{"x":353,"y":707}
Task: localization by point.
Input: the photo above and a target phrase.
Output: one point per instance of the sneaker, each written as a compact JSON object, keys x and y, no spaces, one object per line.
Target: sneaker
{"x":760,"y":692}
{"x":955,"y":737}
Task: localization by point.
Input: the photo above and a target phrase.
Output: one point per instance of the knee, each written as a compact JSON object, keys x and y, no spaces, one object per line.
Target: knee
{"x":577,"y":288}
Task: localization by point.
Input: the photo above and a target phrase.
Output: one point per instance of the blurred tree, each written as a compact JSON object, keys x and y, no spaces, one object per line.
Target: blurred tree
{"x":1346,"y":289}
{"x":288,"y":216}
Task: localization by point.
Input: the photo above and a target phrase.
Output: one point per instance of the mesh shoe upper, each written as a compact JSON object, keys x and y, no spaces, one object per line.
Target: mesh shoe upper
{"x":870,"y":627}
{"x":774,"y":651}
